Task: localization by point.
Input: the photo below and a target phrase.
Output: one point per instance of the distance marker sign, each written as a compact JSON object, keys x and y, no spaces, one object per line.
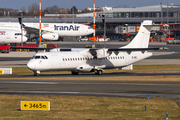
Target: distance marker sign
{"x":35,"y":105}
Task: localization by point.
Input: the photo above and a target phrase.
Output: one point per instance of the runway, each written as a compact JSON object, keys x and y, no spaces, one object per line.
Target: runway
{"x":92,"y":88}
{"x":169,"y":57}
{"x":29,"y":84}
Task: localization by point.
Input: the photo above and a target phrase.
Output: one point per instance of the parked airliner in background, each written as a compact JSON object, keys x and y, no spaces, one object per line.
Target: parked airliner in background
{"x":50,"y":31}
{"x":11,"y":36}
{"x":94,"y":59}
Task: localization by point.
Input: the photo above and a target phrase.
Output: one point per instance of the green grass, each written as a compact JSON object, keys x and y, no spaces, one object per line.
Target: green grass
{"x":156,"y":67}
{"x":89,"y":108}
{"x":25,"y":70}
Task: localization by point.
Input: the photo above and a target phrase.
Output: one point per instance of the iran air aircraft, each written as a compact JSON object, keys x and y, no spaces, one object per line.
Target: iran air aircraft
{"x":51,"y":31}
{"x":11,"y":36}
{"x":95,"y":60}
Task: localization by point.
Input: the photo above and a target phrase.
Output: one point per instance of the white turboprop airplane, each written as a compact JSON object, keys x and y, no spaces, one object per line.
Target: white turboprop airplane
{"x":94,"y":60}
{"x":11,"y":36}
{"x":51,"y":31}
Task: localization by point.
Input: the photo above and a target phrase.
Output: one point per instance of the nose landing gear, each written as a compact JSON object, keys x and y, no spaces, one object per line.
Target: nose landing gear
{"x":36,"y":73}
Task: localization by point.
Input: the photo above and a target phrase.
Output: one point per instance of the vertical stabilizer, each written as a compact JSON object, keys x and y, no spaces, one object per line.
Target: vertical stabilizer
{"x":141,"y":40}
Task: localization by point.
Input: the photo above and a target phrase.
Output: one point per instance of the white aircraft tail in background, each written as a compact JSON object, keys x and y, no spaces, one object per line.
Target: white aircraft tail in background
{"x":95,"y":60}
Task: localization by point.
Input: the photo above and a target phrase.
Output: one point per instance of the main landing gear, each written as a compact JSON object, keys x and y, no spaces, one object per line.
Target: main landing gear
{"x":98,"y":72}
{"x":74,"y":73}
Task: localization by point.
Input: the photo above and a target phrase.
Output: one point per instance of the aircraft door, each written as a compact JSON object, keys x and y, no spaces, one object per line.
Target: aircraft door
{"x":127,"y":57}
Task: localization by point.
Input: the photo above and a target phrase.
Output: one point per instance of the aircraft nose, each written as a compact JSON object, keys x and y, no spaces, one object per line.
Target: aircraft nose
{"x":30,"y":65}
{"x":92,"y":30}
{"x":24,"y":38}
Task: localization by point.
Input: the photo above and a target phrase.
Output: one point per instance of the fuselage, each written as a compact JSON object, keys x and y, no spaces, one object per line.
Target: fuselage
{"x":11,"y":36}
{"x":62,"y":29}
{"x":75,"y":61}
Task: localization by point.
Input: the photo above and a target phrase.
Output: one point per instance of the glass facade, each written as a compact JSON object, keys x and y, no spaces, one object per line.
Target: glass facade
{"x":142,"y":14}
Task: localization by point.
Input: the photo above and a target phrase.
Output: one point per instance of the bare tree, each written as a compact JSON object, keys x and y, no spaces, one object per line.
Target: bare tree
{"x":34,"y":8}
{"x":52,"y":10}
{"x":23,"y":9}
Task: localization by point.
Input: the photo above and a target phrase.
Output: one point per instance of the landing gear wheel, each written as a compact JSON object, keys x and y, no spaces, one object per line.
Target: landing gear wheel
{"x":36,"y":74}
{"x":75,"y":73}
{"x":98,"y":72}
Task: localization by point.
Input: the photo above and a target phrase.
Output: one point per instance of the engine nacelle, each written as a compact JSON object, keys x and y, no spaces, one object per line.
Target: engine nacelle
{"x":50,"y":36}
{"x":84,"y":68}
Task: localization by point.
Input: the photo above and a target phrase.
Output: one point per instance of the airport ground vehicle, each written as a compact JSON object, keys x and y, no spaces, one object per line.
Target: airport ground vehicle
{"x":174,"y":42}
{"x":84,"y":39}
{"x":99,"y":38}
{"x":152,"y":40}
{"x":26,"y":46}
{"x":5,"y":48}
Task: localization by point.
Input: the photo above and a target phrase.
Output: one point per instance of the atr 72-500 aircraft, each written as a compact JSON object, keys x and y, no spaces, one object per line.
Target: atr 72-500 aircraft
{"x":50,"y":31}
{"x":93,"y":59}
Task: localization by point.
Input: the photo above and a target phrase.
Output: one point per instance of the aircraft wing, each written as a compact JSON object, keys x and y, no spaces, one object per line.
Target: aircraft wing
{"x":31,"y":30}
{"x":95,"y":52}
{"x":41,"y":48}
{"x":101,"y":53}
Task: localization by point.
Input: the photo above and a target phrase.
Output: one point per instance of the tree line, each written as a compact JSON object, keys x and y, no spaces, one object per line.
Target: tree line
{"x":33,"y":10}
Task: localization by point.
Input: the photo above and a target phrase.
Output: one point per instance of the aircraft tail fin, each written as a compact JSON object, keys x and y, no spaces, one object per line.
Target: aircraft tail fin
{"x":141,"y":40}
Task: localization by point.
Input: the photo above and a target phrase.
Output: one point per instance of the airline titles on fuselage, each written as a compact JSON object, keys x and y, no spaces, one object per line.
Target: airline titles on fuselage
{"x":68,"y":28}
{"x":2,"y":32}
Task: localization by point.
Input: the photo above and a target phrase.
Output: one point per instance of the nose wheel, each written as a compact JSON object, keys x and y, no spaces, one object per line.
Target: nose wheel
{"x":36,"y":73}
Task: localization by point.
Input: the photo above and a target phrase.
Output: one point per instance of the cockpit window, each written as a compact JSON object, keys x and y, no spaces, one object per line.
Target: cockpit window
{"x":39,"y":57}
{"x":46,"y":57}
{"x":33,"y":57}
{"x":18,"y":34}
{"x":89,"y":27}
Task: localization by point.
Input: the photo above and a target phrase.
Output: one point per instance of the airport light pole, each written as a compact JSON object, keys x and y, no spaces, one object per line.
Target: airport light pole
{"x":39,"y":23}
{"x":161,"y":13}
{"x":21,"y":30}
{"x":104,"y":21}
{"x":94,"y":25}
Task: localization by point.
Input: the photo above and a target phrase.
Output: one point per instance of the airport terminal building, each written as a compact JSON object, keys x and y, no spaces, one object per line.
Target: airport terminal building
{"x":119,"y":21}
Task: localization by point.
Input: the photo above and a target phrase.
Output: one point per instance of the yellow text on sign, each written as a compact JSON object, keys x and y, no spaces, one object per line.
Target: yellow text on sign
{"x":35,"y":105}
{"x":1,"y":71}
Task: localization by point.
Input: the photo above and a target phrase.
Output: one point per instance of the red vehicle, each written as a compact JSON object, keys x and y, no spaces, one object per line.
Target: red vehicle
{"x":52,"y":46}
{"x":5,"y":48}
